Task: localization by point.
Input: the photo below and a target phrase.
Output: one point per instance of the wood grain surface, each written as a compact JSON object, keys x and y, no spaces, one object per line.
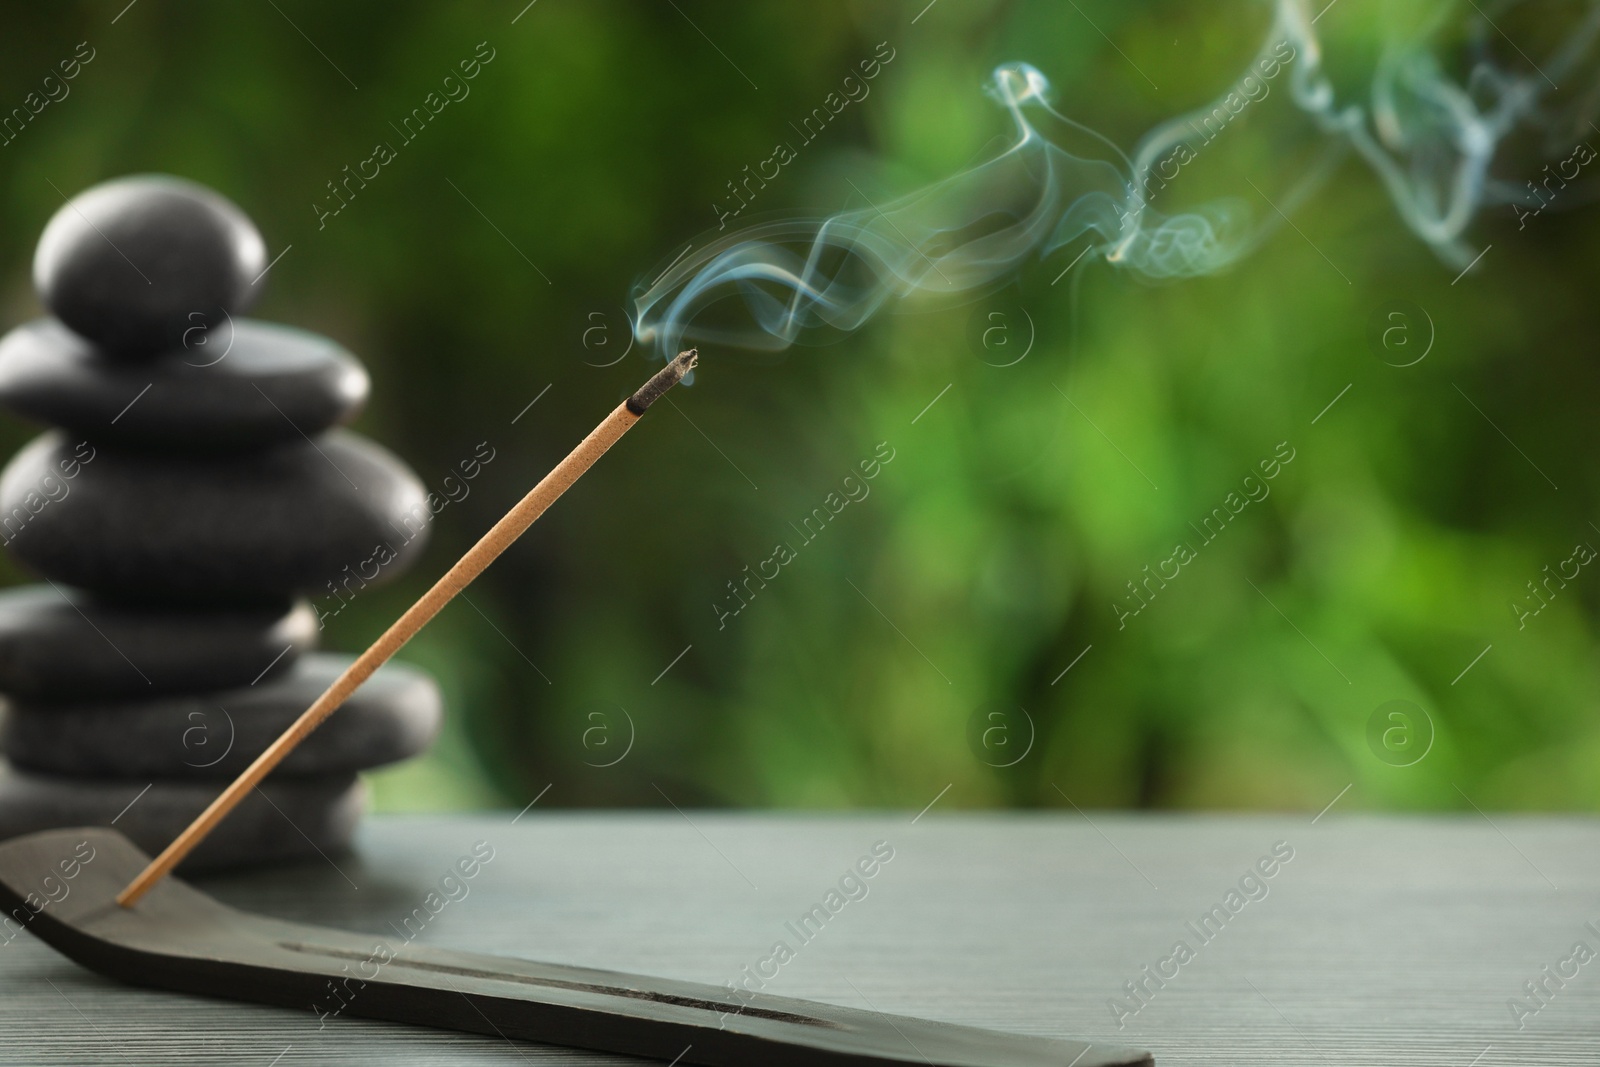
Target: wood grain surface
{"x":1382,"y":941}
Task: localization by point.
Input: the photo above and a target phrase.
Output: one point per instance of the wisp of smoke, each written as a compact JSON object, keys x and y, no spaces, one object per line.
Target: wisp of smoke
{"x":1429,"y":139}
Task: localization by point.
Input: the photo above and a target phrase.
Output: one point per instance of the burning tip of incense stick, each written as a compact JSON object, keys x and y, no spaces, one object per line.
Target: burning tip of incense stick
{"x":664,"y":379}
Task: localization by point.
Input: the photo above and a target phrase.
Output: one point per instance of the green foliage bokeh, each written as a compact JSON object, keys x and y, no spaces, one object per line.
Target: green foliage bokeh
{"x":473,"y":274}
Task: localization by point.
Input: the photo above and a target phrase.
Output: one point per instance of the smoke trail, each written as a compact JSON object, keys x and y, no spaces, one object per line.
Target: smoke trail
{"x":957,"y":235}
{"x":1430,"y":140}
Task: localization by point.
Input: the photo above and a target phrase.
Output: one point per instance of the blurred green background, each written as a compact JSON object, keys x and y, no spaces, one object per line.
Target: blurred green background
{"x":488,"y":265}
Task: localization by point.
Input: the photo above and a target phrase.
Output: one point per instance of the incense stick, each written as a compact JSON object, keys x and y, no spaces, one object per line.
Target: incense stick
{"x":468,"y":567}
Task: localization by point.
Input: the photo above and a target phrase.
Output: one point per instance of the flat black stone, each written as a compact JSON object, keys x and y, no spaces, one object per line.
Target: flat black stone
{"x":178,"y":938}
{"x":137,"y":263}
{"x":393,"y":716}
{"x":61,"y":645}
{"x":220,"y":529}
{"x":294,"y":819}
{"x":251,"y":384}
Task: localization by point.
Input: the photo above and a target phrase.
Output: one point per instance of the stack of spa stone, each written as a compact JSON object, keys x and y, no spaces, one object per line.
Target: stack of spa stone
{"x":193,"y":494}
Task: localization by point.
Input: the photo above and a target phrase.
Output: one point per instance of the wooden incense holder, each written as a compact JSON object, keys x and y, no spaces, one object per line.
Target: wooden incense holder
{"x":61,"y":885}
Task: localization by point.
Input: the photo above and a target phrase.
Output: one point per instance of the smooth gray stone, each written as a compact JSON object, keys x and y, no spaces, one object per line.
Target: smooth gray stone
{"x":219,"y":529}
{"x":393,"y":716}
{"x":135,"y":263}
{"x":59,"y":645}
{"x":285,"y":819}
{"x":244,"y":384}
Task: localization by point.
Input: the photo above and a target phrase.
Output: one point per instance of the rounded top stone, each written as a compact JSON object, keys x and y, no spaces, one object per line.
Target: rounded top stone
{"x":134,"y":263}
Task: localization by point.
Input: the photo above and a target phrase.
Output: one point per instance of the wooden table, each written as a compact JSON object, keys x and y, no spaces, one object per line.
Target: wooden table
{"x":1383,"y":941}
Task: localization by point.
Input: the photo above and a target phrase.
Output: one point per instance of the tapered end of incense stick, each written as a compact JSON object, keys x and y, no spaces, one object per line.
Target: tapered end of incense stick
{"x":664,"y":379}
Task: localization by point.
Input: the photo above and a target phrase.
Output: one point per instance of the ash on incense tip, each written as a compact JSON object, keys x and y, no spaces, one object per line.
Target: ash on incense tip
{"x":664,"y":379}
